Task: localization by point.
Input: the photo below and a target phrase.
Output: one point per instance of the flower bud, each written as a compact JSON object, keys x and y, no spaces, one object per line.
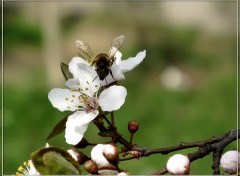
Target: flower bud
{"x":82,"y":144}
{"x":122,"y":174}
{"x":110,"y":152}
{"x":230,"y":161}
{"x":178,"y":164}
{"x":91,"y":167}
{"x":78,"y":156}
{"x":97,"y":156}
{"x":133,"y":126}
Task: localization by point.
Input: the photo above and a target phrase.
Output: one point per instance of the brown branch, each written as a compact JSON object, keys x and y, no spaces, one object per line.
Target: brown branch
{"x":215,"y":144}
{"x":216,"y":147}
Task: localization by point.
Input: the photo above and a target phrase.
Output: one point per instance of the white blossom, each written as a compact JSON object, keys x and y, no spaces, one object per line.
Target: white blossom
{"x":178,"y":164}
{"x":230,"y":161}
{"x":82,"y":98}
{"x":118,"y":67}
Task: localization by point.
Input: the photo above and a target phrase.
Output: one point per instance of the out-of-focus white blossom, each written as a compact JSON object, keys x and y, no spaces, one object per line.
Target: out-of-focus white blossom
{"x":230,"y":161}
{"x":178,"y":164}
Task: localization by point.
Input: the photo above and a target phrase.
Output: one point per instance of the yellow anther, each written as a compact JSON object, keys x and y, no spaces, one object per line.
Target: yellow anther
{"x":68,"y":107}
{"x":20,"y":168}
{"x":66,"y":99}
{"x":86,"y":89}
{"x":73,"y":96}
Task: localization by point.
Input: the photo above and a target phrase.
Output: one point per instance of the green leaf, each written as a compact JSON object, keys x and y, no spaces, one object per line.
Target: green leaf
{"x":53,"y":160}
{"x":59,"y":128}
{"x":65,"y":71}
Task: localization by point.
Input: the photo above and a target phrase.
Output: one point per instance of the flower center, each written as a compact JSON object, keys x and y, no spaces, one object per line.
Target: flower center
{"x":88,"y":103}
{"x":84,"y":98}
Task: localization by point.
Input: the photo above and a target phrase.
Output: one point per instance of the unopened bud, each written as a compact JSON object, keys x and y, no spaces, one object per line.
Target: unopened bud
{"x":230,"y":161}
{"x":178,"y":164}
{"x":122,"y":174}
{"x":110,"y":152}
{"x":91,"y":167}
{"x":78,"y":156}
{"x":97,"y":156}
{"x":133,"y":126}
{"x":82,"y":144}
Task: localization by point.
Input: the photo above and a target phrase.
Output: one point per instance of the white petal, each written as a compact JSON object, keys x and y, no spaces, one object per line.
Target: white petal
{"x":112,"y":98}
{"x":117,"y":75}
{"x":63,"y":99}
{"x":73,"y":65}
{"x":73,"y":83}
{"x":132,"y":62}
{"x":97,"y":156}
{"x":76,"y":126}
{"x":118,"y":57}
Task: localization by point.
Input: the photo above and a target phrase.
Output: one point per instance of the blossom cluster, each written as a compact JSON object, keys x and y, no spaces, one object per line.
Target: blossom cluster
{"x":91,"y":92}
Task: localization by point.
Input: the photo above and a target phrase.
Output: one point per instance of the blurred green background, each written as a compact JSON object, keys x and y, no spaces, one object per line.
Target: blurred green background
{"x":185,"y":89}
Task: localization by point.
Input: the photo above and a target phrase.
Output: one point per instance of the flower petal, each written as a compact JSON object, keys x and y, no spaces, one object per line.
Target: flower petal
{"x":112,"y":98}
{"x":118,"y":57}
{"x":63,"y":99}
{"x":117,"y":75}
{"x":132,"y":62}
{"x":77,"y":125}
{"x":73,"y":83}
{"x":73,"y":65}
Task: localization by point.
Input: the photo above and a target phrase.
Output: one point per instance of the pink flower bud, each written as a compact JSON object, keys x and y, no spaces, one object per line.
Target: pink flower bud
{"x":133,"y":126}
{"x":178,"y":164}
{"x":230,"y":161}
{"x":91,"y":167}
{"x":111,"y":153}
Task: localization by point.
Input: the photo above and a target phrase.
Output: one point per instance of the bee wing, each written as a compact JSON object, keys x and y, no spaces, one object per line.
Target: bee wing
{"x":84,"y":47}
{"x":116,"y":45}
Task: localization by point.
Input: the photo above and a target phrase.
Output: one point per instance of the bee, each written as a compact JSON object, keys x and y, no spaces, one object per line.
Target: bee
{"x":102,"y":61}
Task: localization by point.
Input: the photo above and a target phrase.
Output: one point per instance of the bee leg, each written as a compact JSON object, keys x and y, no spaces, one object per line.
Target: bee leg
{"x":106,"y":80}
{"x":95,"y":78}
{"x":112,"y":75}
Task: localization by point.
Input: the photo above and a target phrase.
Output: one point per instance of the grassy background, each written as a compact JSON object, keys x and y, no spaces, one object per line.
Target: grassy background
{"x":166,"y":116}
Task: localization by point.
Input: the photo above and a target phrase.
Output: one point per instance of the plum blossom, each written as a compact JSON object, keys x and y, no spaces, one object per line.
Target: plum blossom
{"x":84,"y":100}
{"x":118,"y":67}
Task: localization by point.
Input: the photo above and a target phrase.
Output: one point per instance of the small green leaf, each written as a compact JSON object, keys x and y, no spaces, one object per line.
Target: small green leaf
{"x":65,"y":71}
{"x":53,"y":160}
{"x":59,"y":128}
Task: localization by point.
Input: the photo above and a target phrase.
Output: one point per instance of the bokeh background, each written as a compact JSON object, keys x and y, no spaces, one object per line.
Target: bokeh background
{"x":185,"y":89}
